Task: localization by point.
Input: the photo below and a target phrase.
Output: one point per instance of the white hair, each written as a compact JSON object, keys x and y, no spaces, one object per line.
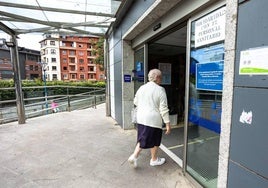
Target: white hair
{"x":153,"y":74}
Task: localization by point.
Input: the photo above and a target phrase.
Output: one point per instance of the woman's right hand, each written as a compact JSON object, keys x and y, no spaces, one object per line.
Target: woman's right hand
{"x":168,"y":127}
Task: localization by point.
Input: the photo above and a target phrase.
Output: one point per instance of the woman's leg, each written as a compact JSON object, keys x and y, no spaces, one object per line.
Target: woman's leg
{"x":154,"y":153}
{"x":137,"y":150}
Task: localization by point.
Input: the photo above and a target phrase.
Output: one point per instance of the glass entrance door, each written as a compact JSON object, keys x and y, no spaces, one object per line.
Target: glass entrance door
{"x":206,"y":62}
{"x":138,"y":71}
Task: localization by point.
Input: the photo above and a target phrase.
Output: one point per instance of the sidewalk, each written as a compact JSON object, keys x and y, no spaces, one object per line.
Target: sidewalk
{"x":79,"y":149}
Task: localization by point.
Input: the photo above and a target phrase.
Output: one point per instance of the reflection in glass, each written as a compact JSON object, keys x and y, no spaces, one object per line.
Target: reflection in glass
{"x":138,"y":72}
{"x":204,"y":115}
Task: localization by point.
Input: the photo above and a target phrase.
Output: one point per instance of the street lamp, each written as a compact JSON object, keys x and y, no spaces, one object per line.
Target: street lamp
{"x":44,"y":66}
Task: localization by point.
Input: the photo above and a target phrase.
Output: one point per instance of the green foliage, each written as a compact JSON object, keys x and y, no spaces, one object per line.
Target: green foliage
{"x":32,"y":91}
{"x":6,"y":83}
{"x":99,"y":50}
{"x":38,"y":82}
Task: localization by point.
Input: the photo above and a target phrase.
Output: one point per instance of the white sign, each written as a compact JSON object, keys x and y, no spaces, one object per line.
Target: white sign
{"x":254,"y":61}
{"x":210,"y":28}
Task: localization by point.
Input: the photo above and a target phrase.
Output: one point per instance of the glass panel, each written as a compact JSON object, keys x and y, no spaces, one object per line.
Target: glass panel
{"x":204,"y":115}
{"x":138,"y":69}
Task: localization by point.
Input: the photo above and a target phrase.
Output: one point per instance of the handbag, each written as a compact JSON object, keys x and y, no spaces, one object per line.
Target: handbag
{"x":134,"y":115}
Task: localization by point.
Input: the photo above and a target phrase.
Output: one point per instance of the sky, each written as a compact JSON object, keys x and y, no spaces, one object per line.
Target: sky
{"x":30,"y":41}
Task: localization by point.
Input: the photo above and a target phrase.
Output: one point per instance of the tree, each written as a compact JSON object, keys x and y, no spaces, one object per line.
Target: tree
{"x":98,"y":49}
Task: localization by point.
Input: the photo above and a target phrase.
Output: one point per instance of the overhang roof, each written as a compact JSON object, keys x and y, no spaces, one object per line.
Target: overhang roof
{"x":66,"y":17}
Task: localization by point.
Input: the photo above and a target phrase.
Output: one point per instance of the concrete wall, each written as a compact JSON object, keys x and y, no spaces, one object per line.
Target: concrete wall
{"x":227,"y":94}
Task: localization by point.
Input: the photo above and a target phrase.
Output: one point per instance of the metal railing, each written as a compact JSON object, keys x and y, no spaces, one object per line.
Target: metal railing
{"x":36,"y":104}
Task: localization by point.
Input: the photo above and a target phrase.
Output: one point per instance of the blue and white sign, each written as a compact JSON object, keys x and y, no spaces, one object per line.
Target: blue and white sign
{"x":127,"y":78}
{"x":209,"y":76}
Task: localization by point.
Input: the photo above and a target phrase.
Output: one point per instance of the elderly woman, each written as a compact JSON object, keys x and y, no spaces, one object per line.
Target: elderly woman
{"x":152,"y":111}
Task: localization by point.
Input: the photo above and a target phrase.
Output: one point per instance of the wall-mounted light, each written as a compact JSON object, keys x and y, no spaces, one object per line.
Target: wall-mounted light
{"x":10,"y":44}
{"x":157,"y":26}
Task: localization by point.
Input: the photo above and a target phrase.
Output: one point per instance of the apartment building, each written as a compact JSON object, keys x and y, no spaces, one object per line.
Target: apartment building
{"x":70,"y":58}
{"x":29,"y":63}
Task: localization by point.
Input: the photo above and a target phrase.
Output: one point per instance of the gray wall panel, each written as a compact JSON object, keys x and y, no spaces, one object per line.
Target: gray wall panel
{"x":248,"y":146}
{"x":117,"y":36}
{"x":242,"y":178}
{"x":118,"y":81}
{"x":118,"y":92}
{"x":118,"y":53}
{"x":249,"y":141}
{"x":251,"y":33}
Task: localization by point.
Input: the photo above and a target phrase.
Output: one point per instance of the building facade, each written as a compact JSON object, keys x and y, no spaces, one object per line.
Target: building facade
{"x":29,"y":63}
{"x":212,"y":56}
{"x":70,"y":58}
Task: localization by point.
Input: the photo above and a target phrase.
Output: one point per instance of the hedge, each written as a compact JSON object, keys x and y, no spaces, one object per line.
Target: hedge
{"x":37,"y":92}
{"x":38,"y":82}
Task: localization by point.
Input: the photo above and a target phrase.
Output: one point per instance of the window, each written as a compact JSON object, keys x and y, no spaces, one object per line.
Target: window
{"x":64,"y":52}
{"x":80,"y":45}
{"x":82,"y":76}
{"x":73,"y":76}
{"x":54,"y":76}
{"x":53,"y":59}
{"x":81,"y":53}
{"x":65,"y":68}
{"x":32,"y":57}
{"x":71,"y":60}
{"x":54,"y":68}
{"x":65,"y":76}
{"x":72,"y":68}
{"x":82,"y":68}
{"x":64,"y":60}
{"x":72,"y":52}
{"x":52,"y":43}
{"x":36,"y":68}
{"x":31,"y":67}
{"x":89,"y":61}
{"x":88,"y":53}
{"x":81,"y":61}
{"x":91,"y":68}
{"x":53,"y":51}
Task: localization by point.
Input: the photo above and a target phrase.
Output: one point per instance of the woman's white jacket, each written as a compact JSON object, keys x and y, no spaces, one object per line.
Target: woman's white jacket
{"x":152,"y":106}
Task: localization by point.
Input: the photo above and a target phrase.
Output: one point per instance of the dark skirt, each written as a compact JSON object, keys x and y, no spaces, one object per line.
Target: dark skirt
{"x":148,"y":137}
